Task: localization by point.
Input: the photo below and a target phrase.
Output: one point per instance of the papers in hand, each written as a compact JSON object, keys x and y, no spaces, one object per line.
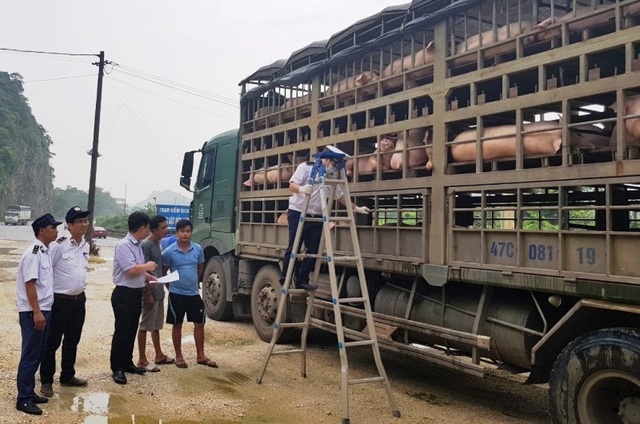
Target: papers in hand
{"x":174,"y":276}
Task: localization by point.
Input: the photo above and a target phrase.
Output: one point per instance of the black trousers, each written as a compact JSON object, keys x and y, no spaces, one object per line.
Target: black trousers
{"x":127,"y":306}
{"x":311,"y":233}
{"x":67,"y":318}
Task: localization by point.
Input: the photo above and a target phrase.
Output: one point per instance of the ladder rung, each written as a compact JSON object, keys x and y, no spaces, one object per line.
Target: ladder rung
{"x":298,"y":291}
{"x":367,"y":380}
{"x":358,"y":343}
{"x":284,"y":352}
{"x":334,"y":181}
{"x":310,"y":255}
{"x":313,"y":219}
{"x":292,"y":324}
{"x":339,"y":218}
{"x":346,"y":258}
{"x":352,"y":299}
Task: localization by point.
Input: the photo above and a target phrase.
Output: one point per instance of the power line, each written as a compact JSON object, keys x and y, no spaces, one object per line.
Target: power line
{"x":61,"y":78}
{"x":175,"y":102}
{"x":177,"y":86}
{"x":46,"y":52}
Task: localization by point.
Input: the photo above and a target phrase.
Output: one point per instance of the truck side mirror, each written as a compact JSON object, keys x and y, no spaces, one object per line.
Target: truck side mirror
{"x":187,"y":170}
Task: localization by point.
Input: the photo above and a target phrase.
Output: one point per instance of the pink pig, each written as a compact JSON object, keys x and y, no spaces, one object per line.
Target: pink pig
{"x":408,"y":62}
{"x":489,"y":37}
{"x":415,"y":157}
{"x":545,"y":140}
{"x":354,"y":82}
{"x":270,"y":174}
{"x":631,"y":106}
{"x":367,"y":165}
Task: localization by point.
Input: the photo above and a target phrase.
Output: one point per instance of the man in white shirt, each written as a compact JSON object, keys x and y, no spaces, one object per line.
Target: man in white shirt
{"x":34,"y":297}
{"x":311,"y":231}
{"x":70,"y":260}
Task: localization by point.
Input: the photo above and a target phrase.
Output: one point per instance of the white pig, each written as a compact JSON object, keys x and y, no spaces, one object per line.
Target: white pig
{"x":296,"y":101}
{"x":406,"y":63}
{"x":386,"y":145}
{"x":490,"y":37}
{"x":353,"y":82}
{"x":270,"y":174}
{"x":415,"y":157}
{"x":631,"y":106}
{"x":546,"y":140}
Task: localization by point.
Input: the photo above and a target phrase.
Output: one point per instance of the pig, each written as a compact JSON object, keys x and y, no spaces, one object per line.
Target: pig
{"x":545,"y":141}
{"x":352,"y":82}
{"x":386,"y":146}
{"x":415,"y":157}
{"x":580,"y":24}
{"x":271,"y":173}
{"x":428,"y":150}
{"x":406,"y":63}
{"x":588,"y":137}
{"x":631,"y":106}
{"x":489,"y":37}
{"x":296,"y":101}
{"x":282,"y":219}
{"x":264,"y":111}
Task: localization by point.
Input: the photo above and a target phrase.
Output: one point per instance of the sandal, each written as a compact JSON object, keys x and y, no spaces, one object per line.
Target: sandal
{"x":182,"y":365}
{"x":166,"y":360}
{"x":208,"y":362}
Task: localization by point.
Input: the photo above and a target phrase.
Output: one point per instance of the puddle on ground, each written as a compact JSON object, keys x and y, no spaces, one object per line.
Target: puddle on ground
{"x":104,"y":408}
{"x":8,"y":264}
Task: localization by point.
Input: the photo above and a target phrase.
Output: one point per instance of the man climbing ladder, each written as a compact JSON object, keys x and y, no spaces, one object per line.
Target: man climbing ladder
{"x":315,"y":185}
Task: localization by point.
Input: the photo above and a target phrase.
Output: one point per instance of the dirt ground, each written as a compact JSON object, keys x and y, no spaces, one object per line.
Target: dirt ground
{"x":230,"y":394}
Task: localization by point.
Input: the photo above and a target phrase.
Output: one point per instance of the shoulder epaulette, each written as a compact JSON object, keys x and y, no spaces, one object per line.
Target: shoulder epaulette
{"x":61,"y":239}
{"x":35,"y":249}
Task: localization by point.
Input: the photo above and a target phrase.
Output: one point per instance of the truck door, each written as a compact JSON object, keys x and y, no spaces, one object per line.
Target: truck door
{"x":203,"y":195}
{"x":214,"y":194}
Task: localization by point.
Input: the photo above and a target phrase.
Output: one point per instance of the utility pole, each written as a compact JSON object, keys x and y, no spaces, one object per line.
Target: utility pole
{"x":94,"y":150}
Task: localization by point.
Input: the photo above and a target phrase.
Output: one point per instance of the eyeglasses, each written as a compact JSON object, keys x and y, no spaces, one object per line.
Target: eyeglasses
{"x":81,"y":221}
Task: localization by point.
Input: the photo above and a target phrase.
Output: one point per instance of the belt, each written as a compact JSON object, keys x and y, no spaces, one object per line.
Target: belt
{"x":80,"y":296}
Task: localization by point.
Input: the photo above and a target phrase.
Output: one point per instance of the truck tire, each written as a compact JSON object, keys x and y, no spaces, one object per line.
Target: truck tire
{"x":596,"y":379}
{"x":265,"y":294}
{"x":214,"y":291}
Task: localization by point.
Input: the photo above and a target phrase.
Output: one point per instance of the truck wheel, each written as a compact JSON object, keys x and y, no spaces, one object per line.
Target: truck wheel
{"x":596,"y":379}
{"x":214,"y":291}
{"x":265,"y":295}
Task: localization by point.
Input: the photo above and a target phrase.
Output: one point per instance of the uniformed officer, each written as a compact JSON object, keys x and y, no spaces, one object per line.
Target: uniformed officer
{"x":70,"y":259}
{"x":34,"y":297}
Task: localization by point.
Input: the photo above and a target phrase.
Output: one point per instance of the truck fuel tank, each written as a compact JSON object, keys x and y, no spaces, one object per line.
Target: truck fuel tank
{"x":512,"y":318}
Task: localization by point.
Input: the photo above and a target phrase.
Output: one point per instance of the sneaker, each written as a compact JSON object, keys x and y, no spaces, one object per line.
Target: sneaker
{"x":75,"y":381}
{"x":29,"y":408}
{"x":307,"y":287}
{"x":46,"y":389}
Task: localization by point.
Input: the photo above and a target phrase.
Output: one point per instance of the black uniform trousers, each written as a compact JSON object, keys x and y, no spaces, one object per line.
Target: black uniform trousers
{"x":127,"y":306}
{"x":311,"y":234}
{"x":67,"y":318}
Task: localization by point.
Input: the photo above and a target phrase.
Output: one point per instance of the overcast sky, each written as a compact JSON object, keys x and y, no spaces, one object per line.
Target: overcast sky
{"x":209,"y":45}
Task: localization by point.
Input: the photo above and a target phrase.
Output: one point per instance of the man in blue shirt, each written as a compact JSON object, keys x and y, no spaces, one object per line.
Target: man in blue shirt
{"x":187,"y":258}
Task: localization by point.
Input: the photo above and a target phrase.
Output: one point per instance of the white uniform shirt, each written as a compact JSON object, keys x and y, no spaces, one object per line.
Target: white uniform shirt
{"x":70,"y":261}
{"x":301,"y":177}
{"x":35,"y":263}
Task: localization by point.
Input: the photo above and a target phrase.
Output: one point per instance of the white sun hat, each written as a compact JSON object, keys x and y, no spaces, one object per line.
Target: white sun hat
{"x":337,"y":151}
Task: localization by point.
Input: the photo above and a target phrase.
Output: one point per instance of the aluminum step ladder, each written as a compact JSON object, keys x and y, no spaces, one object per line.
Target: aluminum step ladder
{"x":326,"y":255}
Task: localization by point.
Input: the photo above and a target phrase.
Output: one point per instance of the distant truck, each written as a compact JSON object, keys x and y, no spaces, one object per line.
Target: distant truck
{"x":17,"y":215}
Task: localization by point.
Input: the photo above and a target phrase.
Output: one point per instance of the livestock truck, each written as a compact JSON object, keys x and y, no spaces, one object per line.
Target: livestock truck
{"x":506,"y":212}
{"x":17,"y":215}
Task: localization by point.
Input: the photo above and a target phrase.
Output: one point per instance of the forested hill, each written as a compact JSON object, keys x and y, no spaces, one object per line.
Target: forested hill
{"x":26,"y":177}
